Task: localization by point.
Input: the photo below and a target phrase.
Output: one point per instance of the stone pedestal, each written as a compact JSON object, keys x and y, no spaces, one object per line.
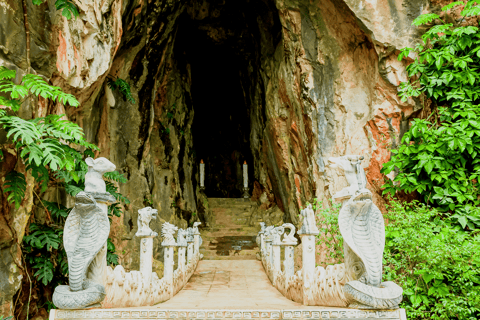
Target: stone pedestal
{"x":168,"y":263}
{"x":289,"y":261}
{"x":146,"y":258}
{"x":190,"y":252}
{"x":181,"y":257}
{"x":268,"y":252}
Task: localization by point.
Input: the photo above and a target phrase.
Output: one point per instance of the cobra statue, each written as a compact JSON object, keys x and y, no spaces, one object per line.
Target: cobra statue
{"x":85,"y":240}
{"x":362,"y":227}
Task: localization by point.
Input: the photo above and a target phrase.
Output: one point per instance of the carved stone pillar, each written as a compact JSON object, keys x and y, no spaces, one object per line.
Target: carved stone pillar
{"x":276,"y":243}
{"x":261,"y":239}
{"x":268,"y":251}
{"x":190,"y":244}
{"x":168,"y":263}
{"x":182,"y":246}
{"x":146,"y":236}
{"x":289,"y":262}
{"x":146,"y":258}
{"x":181,"y":257}
{"x":196,"y":238}
{"x":308,"y":234}
{"x":289,"y":241}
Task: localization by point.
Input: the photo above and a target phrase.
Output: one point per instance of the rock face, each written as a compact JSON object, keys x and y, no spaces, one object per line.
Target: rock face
{"x":281,"y":84}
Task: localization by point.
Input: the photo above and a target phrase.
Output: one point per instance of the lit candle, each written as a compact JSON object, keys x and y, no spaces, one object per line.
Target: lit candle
{"x":245,"y":175}
{"x":202,"y":174}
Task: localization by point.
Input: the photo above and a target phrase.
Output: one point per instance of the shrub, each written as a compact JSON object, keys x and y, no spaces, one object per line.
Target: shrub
{"x":434,"y":261}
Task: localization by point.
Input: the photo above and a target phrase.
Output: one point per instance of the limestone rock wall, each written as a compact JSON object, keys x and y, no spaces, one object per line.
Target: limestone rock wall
{"x":318,"y":79}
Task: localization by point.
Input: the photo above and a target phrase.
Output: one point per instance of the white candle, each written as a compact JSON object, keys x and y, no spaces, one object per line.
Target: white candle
{"x":202,"y":174}
{"x":245,"y":175}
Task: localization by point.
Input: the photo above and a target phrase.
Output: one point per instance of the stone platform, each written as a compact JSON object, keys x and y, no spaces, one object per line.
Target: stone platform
{"x":223,"y":289}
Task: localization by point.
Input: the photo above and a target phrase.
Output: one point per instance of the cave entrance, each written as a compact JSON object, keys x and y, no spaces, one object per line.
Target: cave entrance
{"x":221,"y":124}
{"x":218,"y":43}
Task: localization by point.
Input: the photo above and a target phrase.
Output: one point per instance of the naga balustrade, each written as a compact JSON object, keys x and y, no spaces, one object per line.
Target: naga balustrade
{"x":144,"y":288}
{"x":354,"y":283}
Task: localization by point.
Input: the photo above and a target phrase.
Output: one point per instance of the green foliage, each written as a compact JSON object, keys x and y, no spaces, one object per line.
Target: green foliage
{"x":69,"y":9}
{"x":329,"y":239}
{"x":123,"y":87}
{"x":434,"y":261}
{"x":43,"y":237}
{"x":43,"y":248}
{"x":438,"y":155}
{"x":43,"y":143}
{"x":16,"y":185}
{"x":112,"y":258}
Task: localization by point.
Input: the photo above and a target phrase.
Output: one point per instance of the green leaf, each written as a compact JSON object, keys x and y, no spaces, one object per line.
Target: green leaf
{"x":68,"y":8}
{"x":451,"y":5}
{"x":15,"y":184}
{"x":6,"y":73}
{"x":425,"y":18}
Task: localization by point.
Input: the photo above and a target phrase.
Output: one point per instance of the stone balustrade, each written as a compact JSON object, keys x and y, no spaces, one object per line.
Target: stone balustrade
{"x":144,"y":288}
{"x":356,"y":283}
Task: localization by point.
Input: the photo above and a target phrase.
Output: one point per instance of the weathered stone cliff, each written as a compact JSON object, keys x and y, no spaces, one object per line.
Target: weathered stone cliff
{"x":280,"y":84}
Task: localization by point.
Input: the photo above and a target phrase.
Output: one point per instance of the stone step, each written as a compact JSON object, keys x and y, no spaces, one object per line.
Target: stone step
{"x":229,"y":201}
{"x":233,"y":254}
{"x":218,"y":230}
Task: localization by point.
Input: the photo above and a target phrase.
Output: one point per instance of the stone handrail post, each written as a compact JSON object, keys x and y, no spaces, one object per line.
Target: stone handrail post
{"x":308,"y":234}
{"x":289,"y":241}
{"x":261,"y":234}
{"x":181,"y":257}
{"x":146,"y":236}
{"x":196,"y":238}
{"x":276,"y":258}
{"x":146,"y":257}
{"x":182,"y":246}
{"x":269,"y":250}
{"x":190,"y":244}
{"x":168,"y":254}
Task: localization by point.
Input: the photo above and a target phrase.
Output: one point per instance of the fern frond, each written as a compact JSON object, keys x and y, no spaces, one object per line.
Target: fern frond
{"x":57,"y":210}
{"x":16,"y":184}
{"x":16,"y":90}
{"x":451,"y":5}
{"x":13,"y":104}
{"x":45,"y":270}
{"x":20,"y":129}
{"x":470,"y":9}
{"x":123,"y":87}
{"x":425,"y":18}
{"x":6,"y":73}
{"x":72,"y":190}
{"x":115,"y":176}
{"x":39,"y":87}
{"x":113,"y":191}
{"x":41,"y":175}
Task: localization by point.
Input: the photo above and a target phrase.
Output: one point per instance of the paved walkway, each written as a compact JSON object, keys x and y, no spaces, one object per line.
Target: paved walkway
{"x":230,"y":284}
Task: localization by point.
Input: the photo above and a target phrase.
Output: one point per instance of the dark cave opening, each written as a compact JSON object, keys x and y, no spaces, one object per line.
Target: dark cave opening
{"x":218,"y":45}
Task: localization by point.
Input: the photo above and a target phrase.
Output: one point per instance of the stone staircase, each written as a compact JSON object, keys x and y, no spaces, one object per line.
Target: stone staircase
{"x":229,"y":237}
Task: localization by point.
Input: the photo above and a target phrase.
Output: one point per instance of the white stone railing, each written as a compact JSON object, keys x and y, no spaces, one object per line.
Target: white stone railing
{"x":355,"y":283}
{"x":144,"y":288}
